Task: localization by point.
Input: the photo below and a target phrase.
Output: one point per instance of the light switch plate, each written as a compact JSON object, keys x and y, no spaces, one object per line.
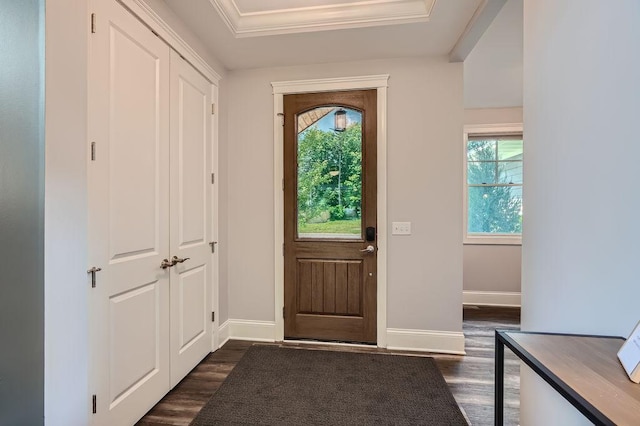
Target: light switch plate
{"x":400,"y":228}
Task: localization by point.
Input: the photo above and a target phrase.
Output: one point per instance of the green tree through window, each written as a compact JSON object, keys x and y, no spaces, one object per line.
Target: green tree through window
{"x":330,"y":176}
{"x":494,"y":190}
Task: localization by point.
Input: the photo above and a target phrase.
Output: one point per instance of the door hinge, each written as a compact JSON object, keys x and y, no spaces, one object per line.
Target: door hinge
{"x":93,"y":271}
{"x":94,"y":404}
{"x":213,"y":317}
{"x":281,"y":115}
{"x":93,"y":151}
{"x":213,"y":109}
{"x":283,"y":249}
{"x":283,"y":312}
{"x":93,"y":23}
{"x":283,"y":184}
{"x":213,"y":246}
{"x":213,"y":178}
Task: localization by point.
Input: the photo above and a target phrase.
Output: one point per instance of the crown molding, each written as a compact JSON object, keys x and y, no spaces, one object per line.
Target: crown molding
{"x":149,"y":17}
{"x":321,"y":18}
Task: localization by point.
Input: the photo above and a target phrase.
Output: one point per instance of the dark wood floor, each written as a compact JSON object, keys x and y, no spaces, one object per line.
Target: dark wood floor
{"x":470,"y":377}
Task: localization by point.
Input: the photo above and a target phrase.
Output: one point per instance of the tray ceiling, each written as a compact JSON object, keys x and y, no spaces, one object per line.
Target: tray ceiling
{"x":251,"y":18}
{"x":451,"y":23}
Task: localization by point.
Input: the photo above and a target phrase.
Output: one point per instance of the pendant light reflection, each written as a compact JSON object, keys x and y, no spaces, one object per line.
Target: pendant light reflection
{"x":340,"y":120}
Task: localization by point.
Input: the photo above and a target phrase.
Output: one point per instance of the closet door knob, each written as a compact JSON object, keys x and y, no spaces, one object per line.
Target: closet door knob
{"x":166,"y":264}
{"x":176,"y":259}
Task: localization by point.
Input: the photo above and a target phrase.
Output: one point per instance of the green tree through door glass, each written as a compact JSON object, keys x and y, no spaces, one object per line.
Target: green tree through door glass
{"x":329,"y":173}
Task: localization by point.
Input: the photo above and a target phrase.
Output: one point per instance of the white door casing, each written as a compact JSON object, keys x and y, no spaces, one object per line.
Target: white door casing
{"x":128,"y":215}
{"x":280,"y":88}
{"x":191,"y":217}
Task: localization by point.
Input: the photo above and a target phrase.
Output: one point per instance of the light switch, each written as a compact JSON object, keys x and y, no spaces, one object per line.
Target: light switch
{"x":400,"y":228}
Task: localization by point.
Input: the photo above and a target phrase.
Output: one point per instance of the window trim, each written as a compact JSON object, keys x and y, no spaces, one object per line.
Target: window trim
{"x":475,"y":130}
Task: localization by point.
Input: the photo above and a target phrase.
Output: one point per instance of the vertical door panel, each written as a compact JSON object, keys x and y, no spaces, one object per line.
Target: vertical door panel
{"x":128,"y":215}
{"x":192,"y":307}
{"x":129,"y":369}
{"x":191,"y":218}
{"x":192,"y":161}
{"x":135,"y":146}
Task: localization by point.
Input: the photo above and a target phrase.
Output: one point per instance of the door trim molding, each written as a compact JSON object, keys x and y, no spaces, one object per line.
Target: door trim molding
{"x":280,"y":88}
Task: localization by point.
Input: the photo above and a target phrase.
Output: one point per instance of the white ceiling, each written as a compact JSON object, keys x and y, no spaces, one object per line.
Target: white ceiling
{"x":492,"y":70}
{"x":438,"y":36}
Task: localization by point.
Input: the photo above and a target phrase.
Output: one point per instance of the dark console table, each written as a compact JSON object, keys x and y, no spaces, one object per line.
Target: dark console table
{"x":584,"y":369}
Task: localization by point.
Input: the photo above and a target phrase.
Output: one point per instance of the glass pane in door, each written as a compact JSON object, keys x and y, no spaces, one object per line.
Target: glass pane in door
{"x":329,"y":175}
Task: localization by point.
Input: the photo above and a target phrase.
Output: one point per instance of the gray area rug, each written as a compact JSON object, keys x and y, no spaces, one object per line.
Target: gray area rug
{"x":285,"y":386}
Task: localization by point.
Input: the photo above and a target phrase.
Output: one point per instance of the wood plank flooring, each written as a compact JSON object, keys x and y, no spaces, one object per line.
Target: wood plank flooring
{"x":470,"y":377}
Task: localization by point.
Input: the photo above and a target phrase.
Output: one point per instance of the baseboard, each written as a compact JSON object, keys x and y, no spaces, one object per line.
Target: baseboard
{"x":398,"y":339}
{"x":447,"y":342}
{"x":223,"y":333}
{"x":491,"y":298}
{"x":258,"y":331}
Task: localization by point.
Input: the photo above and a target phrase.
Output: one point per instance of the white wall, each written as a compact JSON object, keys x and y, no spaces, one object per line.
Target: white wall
{"x":493,"y":70}
{"x":424,"y":125}
{"x":66,"y":286}
{"x":492,"y":268}
{"x":580,"y":242}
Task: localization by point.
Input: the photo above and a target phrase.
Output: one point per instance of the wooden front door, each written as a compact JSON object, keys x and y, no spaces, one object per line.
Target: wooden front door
{"x":330,"y":216}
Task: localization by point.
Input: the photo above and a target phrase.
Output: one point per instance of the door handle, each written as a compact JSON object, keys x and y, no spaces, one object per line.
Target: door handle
{"x":176,"y":259}
{"x":166,"y":264}
{"x":369,"y":249}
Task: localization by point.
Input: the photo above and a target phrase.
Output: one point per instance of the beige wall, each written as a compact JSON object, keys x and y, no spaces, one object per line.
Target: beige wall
{"x":223,"y":201}
{"x":424,"y":169}
{"x":492,"y":268}
{"x":580,"y":241}
{"x":492,"y":115}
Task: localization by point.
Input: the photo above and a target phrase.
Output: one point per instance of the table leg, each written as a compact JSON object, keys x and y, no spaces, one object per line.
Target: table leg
{"x":499,"y":381}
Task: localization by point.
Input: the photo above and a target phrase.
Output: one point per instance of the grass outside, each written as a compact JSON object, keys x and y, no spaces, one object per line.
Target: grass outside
{"x":331,"y":227}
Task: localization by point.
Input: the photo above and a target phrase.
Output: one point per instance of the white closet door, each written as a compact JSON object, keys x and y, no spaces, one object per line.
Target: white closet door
{"x":191,"y":217}
{"x":129,"y":215}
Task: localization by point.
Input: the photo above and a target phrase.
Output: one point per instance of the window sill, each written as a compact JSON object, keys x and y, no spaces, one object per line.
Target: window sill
{"x":494,"y":240}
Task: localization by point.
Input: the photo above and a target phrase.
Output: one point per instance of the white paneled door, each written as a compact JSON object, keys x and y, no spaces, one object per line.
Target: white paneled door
{"x":149,"y":200}
{"x":191,"y":217}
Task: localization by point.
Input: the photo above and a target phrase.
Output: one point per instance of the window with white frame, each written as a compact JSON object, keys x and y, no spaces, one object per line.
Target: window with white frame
{"x":493,"y":185}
